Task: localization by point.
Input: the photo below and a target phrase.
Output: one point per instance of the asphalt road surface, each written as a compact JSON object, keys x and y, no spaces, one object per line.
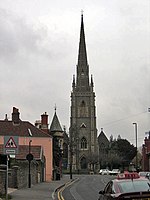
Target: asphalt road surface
{"x":86,"y":188}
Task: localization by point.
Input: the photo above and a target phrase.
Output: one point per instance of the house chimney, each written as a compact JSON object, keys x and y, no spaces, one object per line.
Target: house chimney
{"x":15,"y":116}
{"x":44,"y":122}
{"x":6,"y":118}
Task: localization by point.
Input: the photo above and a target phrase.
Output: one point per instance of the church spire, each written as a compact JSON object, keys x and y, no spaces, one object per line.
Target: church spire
{"x":82,"y":56}
{"x":82,"y":66}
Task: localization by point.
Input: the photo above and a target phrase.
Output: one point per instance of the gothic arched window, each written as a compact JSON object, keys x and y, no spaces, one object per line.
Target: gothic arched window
{"x":83,"y":143}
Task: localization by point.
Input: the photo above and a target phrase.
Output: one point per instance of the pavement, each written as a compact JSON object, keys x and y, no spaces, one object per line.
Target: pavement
{"x":40,"y":191}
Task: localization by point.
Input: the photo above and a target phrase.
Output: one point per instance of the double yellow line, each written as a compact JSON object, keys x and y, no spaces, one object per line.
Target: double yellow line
{"x":59,"y":194}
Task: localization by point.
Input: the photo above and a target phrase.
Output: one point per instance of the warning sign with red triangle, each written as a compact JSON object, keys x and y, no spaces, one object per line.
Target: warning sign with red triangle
{"x":10,"y":143}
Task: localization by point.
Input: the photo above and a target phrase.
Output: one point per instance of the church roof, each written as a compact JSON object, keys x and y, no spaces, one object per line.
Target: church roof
{"x":102,"y":138}
{"x":55,"y":125}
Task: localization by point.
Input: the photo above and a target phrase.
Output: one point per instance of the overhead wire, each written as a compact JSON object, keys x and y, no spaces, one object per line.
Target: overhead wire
{"x":126,"y":118}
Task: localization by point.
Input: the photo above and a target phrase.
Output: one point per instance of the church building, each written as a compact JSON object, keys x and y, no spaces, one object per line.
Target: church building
{"x":83,"y":131}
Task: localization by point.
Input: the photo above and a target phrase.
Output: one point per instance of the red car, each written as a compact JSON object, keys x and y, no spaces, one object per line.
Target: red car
{"x":127,"y":186}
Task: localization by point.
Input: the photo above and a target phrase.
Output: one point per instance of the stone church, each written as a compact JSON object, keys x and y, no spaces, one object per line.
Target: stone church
{"x":84,"y":148}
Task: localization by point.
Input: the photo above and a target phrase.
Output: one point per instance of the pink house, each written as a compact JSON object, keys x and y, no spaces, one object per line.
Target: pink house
{"x":27,"y":132}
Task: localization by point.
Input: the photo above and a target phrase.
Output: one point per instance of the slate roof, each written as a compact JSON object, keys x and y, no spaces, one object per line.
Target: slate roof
{"x":20,"y":129}
{"x":23,"y":150}
{"x":102,"y":138}
{"x":55,"y":125}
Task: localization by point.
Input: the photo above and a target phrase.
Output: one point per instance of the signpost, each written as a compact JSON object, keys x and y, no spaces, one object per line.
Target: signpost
{"x":10,"y":145}
{"x":10,"y":148}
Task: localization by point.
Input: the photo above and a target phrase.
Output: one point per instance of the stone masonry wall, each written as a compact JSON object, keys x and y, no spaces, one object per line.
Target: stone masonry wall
{"x":18,"y":175}
{"x":2,"y":182}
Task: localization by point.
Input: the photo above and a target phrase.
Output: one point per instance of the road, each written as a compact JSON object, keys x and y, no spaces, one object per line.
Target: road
{"x":86,"y":188}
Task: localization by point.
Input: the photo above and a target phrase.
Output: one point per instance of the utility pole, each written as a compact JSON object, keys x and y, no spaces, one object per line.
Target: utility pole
{"x":70,"y":163}
{"x":135,"y":125}
{"x":71,"y":151}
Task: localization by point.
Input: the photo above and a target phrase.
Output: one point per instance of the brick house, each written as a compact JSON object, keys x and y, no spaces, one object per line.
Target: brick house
{"x":38,"y":137}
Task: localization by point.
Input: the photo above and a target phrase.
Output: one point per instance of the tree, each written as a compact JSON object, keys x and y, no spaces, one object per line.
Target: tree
{"x":93,"y":160}
{"x":119,"y":137}
{"x":139,"y":157}
{"x":111,"y":138}
{"x":113,"y":160}
{"x":124,"y":150}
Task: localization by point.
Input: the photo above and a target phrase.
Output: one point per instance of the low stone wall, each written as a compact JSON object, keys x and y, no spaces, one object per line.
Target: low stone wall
{"x":2,"y":181}
{"x":18,"y":175}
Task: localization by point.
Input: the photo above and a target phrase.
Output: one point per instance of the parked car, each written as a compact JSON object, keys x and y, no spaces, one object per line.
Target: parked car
{"x":144,"y":174}
{"x":104,"y":171}
{"x":126,"y":186}
{"x":114,"y":172}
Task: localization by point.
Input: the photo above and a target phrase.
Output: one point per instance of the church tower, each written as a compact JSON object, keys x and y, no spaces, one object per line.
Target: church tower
{"x":83,"y":131}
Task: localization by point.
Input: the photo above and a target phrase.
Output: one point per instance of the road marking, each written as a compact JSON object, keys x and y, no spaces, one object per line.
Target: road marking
{"x":59,"y":194}
{"x":53,"y":195}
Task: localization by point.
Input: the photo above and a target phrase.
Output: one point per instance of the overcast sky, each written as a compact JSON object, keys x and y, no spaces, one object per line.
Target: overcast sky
{"x":39,"y":42}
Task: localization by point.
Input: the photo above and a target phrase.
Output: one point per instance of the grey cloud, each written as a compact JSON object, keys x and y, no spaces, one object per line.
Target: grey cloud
{"x":38,"y":56}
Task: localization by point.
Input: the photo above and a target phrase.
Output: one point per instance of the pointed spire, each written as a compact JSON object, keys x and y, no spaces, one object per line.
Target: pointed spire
{"x":82,"y":82}
{"x":55,"y":125}
{"x":82,"y":56}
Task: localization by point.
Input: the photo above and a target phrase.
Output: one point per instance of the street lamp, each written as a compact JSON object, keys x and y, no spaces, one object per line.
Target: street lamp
{"x":29,"y":178}
{"x":29,"y":157}
{"x":71,"y":154}
{"x":135,"y":125}
{"x":71,"y":150}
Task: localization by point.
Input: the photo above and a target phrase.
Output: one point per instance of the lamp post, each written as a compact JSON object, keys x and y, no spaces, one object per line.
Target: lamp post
{"x":29,"y":178}
{"x":29,"y":157}
{"x":71,"y":154}
{"x":71,"y":150}
{"x":135,"y":125}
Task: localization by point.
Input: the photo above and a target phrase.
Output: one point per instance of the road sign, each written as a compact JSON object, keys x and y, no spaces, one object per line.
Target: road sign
{"x":29,"y":157}
{"x":10,"y":145}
